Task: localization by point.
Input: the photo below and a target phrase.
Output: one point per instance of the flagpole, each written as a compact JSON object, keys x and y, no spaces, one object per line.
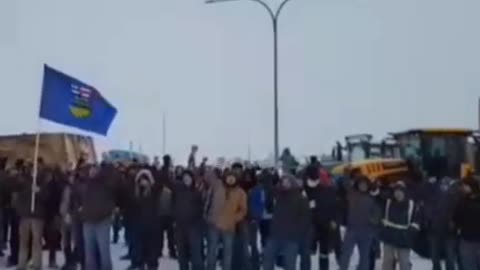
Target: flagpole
{"x":37,"y":146}
{"x":130,"y":150}
{"x":35,"y":167}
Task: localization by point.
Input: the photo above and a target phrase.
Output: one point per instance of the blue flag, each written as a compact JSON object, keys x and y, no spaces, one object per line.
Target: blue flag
{"x":70,"y":102}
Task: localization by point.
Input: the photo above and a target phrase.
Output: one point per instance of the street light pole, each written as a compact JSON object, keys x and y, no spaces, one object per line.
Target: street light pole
{"x":275,"y":89}
{"x":274,"y":17}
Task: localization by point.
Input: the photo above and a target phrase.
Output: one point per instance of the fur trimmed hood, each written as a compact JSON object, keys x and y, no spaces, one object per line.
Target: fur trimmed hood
{"x":144,"y":173}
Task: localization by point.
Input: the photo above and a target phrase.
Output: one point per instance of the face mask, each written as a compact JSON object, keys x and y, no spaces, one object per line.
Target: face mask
{"x":312,"y":183}
{"x":231,"y":181}
{"x":144,"y":183}
{"x":399,"y":195}
{"x":363,"y":187}
{"x":187,"y":180}
{"x":467,"y":189}
{"x":285,"y":184}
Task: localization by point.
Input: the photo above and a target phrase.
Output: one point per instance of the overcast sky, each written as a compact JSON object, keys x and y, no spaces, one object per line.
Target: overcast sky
{"x":346,"y":66}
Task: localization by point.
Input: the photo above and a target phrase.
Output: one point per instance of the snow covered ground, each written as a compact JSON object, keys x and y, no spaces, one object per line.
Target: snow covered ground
{"x":169,"y":264}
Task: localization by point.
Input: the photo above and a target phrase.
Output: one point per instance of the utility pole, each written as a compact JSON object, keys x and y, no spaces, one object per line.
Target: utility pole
{"x":274,"y":15}
{"x":164,"y":134}
{"x":130,"y":149}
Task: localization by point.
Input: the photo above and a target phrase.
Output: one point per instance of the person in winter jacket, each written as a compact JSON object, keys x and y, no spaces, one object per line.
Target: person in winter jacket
{"x":70,"y":223}
{"x":11,"y":218}
{"x":256,"y":210}
{"x":97,"y":206}
{"x":289,"y":162}
{"x":31,"y":219}
{"x":443,"y":195}
{"x":363,"y":216}
{"x":398,"y":227}
{"x":52,"y":218}
{"x":245,"y":251}
{"x":3,"y":189}
{"x":144,"y":252}
{"x":165,"y":180}
{"x":187,"y":214}
{"x":322,"y":196}
{"x":290,"y":220}
{"x":71,"y":214}
{"x":224,"y":219}
{"x":267,"y":179}
{"x":467,"y":220}
{"x":126,"y":206}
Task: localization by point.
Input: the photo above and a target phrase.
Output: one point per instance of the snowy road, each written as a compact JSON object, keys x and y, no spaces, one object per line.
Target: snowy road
{"x":169,"y":264}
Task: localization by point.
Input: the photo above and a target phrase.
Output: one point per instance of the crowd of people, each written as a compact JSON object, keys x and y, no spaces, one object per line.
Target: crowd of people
{"x":243,"y":216}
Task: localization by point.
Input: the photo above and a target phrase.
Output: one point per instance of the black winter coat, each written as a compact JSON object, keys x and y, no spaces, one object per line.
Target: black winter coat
{"x":467,"y":218}
{"x":399,"y":223}
{"x":98,"y":198}
{"x":187,"y":206}
{"x":146,"y":210}
{"x":324,"y":204}
{"x":291,"y":216}
{"x":23,"y":198}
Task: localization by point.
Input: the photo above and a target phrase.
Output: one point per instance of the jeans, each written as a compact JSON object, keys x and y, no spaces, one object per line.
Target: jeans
{"x":68,"y":245}
{"x":128,"y":223}
{"x":72,"y":239}
{"x":274,"y":248}
{"x":167,"y":227}
{"x":3,"y":238}
{"x":189,"y":247}
{"x":264,"y":228}
{"x":216,"y":235}
{"x":392,"y":254}
{"x":97,"y":238}
{"x":116,"y":226}
{"x":470,"y":255}
{"x":253,"y":230}
{"x":79,"y":244}
{"x":33,"y":227}
{"x":12,"y":224}
{"x":323,"y":239}
{"x":144,"y":250}
{"x":337,"y":244}
{"x":443,"y":244}
{"x":53,"y":238}
{"x":375,"y":252}
{"x":363,"y":240}
{"x":305,"y":250}
{"x":241,"y":259}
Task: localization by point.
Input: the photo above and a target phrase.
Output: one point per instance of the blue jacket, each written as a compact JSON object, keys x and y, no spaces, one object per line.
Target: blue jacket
{"x":399,"y":223}
{"x":291,"y":216}
{"x":256,"y":203}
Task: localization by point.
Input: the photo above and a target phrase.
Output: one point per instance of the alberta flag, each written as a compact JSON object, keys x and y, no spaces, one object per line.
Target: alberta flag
{"x":68,"y":101}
